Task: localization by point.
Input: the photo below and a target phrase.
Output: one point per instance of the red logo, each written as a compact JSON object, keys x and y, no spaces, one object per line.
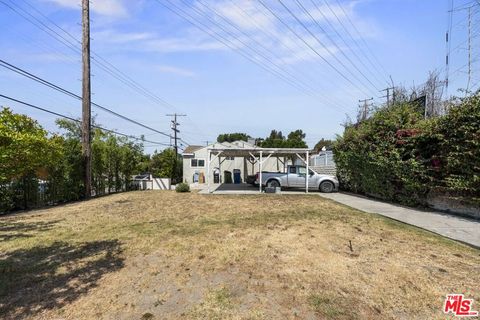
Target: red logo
{"x":459,"y":306}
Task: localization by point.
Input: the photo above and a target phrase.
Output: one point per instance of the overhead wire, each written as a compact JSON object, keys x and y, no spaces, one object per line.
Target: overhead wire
{"x":361,"y":36}
{"x":315,"y":21}
{"x":344,"y":41}
{"x":259,"y":44}
{"x":78,"y":121}
{"x":49,"y":84}
{"x":309,"y":45}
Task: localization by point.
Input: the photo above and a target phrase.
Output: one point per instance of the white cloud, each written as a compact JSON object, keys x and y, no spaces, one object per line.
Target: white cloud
{"x":192,"y":40}
{"x":113,"y":8}
{"x":113,"y":36}
{"x":177,"y":71}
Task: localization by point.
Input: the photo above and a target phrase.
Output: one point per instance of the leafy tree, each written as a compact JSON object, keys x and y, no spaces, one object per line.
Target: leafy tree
{"x":295,"y":139}
{"x":25,"y":151}
{"x":328,"y":144}
{"x":24,"y":146}
{"x":164,"y":165}
{"x":231,"y":137}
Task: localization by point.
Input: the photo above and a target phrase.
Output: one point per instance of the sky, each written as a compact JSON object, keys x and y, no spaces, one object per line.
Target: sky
{"x":230,"y":65}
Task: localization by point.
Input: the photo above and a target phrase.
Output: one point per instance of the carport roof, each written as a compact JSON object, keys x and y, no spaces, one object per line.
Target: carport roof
{"x":232,"y":151}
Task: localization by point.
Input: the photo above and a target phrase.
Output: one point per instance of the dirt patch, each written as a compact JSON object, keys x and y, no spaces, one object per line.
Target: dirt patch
{"x":163,"y":255}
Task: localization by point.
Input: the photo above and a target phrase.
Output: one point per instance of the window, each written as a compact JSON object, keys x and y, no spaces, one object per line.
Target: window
{"x":293,"y":169}
{"x":302,"y":170}
{"x":194,"y":163}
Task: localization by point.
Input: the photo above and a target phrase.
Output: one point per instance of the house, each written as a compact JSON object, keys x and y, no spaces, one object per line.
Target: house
{"x":225,"y":169}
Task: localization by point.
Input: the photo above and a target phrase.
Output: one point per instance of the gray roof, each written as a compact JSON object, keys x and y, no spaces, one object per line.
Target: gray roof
{"x":192,"y":149}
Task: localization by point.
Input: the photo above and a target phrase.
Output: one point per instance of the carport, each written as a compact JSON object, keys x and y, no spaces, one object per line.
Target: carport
{"x":258,"y":156}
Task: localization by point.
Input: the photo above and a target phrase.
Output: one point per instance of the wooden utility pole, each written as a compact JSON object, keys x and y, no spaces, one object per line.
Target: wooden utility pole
{"x":86,"y":100}
{"x":469,"y":49}
{"x":365,"y":108}
{"x":175,"y":130}
{"x":175,"y":137}
{"x":388,"y":94}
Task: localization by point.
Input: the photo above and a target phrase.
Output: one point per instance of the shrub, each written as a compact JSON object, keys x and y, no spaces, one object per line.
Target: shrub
{"x":397,"y":155}
{"x":182,"y":187}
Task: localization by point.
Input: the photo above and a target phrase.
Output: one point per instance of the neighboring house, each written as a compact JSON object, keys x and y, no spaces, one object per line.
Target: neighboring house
{"x":225,"y":169}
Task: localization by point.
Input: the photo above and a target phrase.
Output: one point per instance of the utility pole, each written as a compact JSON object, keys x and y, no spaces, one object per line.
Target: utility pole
{"x":388,"y":94}
{"x":175,"y":137}
{"x":365,"y":108}
{"x":469,"y":49}
{"x":86,"y":100}
{"x":175,"y":130}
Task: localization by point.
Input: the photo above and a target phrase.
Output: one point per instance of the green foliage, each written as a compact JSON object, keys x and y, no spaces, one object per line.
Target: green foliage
{"x":396,"y":155}
{"x":458,"y":147}
{"x":231,"y":137}
{"x":25,"y":150}
{"x":328,"y":144}
{"x":38,"y":169}
{"x":295,"y":139}
{"x":24,"y":146}
{"x":182,"y":187}
{"x":164,"y":165}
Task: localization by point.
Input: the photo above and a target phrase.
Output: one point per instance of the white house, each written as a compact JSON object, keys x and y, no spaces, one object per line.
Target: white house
{"x":225,"y":169}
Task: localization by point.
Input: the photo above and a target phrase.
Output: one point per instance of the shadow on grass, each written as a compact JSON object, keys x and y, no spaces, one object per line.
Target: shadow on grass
{"x":11,"y":230}
{"x":49,"y":277}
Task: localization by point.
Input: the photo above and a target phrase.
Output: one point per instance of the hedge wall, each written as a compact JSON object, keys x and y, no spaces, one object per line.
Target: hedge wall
{"x":397,"y":155}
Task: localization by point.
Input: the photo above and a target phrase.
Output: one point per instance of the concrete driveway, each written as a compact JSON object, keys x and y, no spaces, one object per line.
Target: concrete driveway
{"x":450,"y":226}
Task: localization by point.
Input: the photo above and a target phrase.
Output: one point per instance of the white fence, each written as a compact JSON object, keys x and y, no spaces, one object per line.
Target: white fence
{"x":153,"y":183}
{"x":322,"y":159}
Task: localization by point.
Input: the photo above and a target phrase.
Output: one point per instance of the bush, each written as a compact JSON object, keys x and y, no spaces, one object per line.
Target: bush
{"x":182,"y":187}
{"x":397,"y":155}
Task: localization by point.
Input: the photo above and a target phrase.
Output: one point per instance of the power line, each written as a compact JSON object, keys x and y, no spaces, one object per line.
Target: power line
{"x":306,"y":43}
{"x":285,"y":44}
{"x":351,"y":37}
{"x":78,"y":121}
{"x":255,"y":50}
{"x":333,"y":42}
{"x":73,"y":95}
{"x":227,"y":42}
{"x":361,"y":37}
{"x":97,"y":59}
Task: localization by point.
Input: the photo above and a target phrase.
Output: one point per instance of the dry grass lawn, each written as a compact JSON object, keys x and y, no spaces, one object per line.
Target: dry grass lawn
{"x":162,"y":255}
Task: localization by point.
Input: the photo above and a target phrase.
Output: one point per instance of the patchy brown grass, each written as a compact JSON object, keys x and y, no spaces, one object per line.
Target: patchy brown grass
{"x":163,"y":255}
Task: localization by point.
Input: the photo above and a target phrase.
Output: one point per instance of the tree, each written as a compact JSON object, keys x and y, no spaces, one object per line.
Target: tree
{"x":276,"y":139}
{"x":296,"y":139}
{"x":24,"y":146}
{"x":323,"y":143}
{"x":231,"y":137}
{"x":163,"y":165}
{"x":26,"y":151}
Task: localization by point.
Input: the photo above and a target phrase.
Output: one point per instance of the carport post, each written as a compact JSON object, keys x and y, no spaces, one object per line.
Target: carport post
{"x":308,"y":173}
{"x":208,"y":171}
{"x":260,"y":173}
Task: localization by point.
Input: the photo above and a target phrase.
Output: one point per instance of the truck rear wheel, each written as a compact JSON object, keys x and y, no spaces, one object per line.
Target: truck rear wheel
{"x":273,"y":184}
{"x":326,"y":186}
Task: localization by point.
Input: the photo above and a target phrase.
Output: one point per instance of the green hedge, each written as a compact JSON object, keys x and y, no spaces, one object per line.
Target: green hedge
{"x":397,"y":155}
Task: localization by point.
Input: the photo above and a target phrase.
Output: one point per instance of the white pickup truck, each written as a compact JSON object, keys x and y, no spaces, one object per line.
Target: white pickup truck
{"x":295,"y":178}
